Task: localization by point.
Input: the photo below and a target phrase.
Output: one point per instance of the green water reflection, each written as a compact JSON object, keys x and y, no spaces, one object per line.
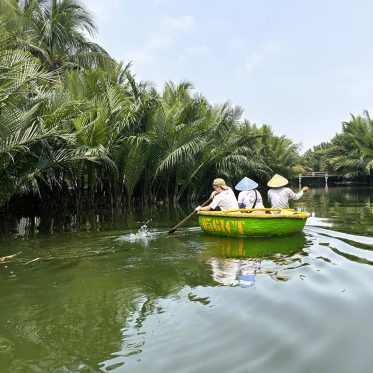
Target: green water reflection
{"x":87,"y":294}
{"x":348,"y":209}
{"x":344,"y":207}
{"x":253,"y":247}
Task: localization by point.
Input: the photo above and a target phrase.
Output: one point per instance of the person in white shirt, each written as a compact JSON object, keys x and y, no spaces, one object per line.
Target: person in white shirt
{"x":279,"y":194}
{"x":222,"y":197}
{"x":249,"y":197}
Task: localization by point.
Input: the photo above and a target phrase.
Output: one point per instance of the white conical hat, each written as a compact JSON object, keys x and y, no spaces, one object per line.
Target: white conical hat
{"x":246,"y":184}
{"x":277,"y":181}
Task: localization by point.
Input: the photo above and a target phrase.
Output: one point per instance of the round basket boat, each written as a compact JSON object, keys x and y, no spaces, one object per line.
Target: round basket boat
{"x":263,"y":222}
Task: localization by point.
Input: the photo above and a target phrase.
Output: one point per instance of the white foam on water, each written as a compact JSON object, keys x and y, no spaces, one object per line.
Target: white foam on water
{"x":318,"y":222}
{"x":143,"y":235}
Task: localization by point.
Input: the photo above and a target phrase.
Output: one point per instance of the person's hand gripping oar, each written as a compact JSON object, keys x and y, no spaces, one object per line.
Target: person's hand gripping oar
{"x":188,"y":217}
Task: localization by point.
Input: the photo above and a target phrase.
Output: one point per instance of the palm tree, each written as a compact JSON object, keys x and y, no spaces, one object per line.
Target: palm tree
{"x":360,"y":131}
{"x":24,"y":141}
{"x":350,"y":152}
{"x":280,"y":154}
{"x":54,"y":31}
{"x":314,"y":160}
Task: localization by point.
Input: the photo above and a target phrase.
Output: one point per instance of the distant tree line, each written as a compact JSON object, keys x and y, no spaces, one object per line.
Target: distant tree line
{"x":348,"y":153}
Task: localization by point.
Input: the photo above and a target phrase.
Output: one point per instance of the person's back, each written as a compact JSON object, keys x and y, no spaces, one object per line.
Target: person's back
{"x":222,"y":197}
{"x":279,"y":194}
{"x":226,"y":200}
{"x":249,"y":197}
{"x":279,"y":197}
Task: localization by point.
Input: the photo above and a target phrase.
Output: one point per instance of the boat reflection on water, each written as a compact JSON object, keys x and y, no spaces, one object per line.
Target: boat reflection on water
{"x":232,"y":272}
{"x":237,"y":261}
{"x":259,"y":247}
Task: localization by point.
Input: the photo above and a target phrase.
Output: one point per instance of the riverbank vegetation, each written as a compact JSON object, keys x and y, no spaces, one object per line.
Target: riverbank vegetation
{"x":77,"y":128}
{"x":348,"y":153}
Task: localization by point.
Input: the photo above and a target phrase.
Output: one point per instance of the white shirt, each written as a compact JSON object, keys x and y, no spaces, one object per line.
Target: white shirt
{"x":226,"y":200}
{"x":247,"y":198}
{"x":279,"y":197}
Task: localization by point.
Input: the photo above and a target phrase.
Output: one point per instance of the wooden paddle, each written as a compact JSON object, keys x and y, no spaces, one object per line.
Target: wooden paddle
{"x":188,"y":217}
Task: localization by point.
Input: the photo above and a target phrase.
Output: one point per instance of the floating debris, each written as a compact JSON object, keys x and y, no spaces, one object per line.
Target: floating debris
{"x":33,"y":260}
{"x":6,"y":259}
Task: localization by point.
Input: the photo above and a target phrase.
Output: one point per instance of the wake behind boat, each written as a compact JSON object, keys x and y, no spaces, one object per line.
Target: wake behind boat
{"x":261,"y":222}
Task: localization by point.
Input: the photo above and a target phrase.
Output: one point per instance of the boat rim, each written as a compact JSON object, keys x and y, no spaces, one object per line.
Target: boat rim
{"x":248,"y":213}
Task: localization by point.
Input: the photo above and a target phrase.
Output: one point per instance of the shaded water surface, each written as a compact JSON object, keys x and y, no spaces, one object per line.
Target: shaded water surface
{"x":100,"y":293}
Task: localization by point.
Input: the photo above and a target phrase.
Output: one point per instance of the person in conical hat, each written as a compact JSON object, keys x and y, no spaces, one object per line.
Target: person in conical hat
{"x":249,"y":197}
{"x":277,"y":181}
{"x":222,"y":196}
{"x":279,"y":194}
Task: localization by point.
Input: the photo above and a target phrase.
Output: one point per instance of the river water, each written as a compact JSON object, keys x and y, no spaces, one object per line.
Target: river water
{"x":117,"y":293}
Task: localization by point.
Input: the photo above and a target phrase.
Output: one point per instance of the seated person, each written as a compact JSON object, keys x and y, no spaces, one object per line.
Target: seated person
{"x":249,"y":197}
{"x":279,"y":195}
{"x":222,"y":196}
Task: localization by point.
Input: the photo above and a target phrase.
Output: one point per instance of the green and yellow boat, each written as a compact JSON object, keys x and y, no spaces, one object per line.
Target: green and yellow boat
{"x":261,"y":222}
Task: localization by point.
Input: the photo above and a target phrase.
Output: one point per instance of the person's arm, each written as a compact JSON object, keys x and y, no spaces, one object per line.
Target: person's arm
{"x":296,"y":196}
{"x":213,"y":205}
{"x":204,"y":208}
{"x":213,"y":194}
{"x":207,"y":208}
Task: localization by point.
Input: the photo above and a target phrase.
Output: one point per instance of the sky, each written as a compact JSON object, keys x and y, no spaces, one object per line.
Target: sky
{"x":301,"y":66}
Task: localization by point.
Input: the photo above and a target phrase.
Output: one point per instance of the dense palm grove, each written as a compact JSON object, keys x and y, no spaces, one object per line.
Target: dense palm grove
{"x":349,"y":153}
{"x":77,"y":127}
